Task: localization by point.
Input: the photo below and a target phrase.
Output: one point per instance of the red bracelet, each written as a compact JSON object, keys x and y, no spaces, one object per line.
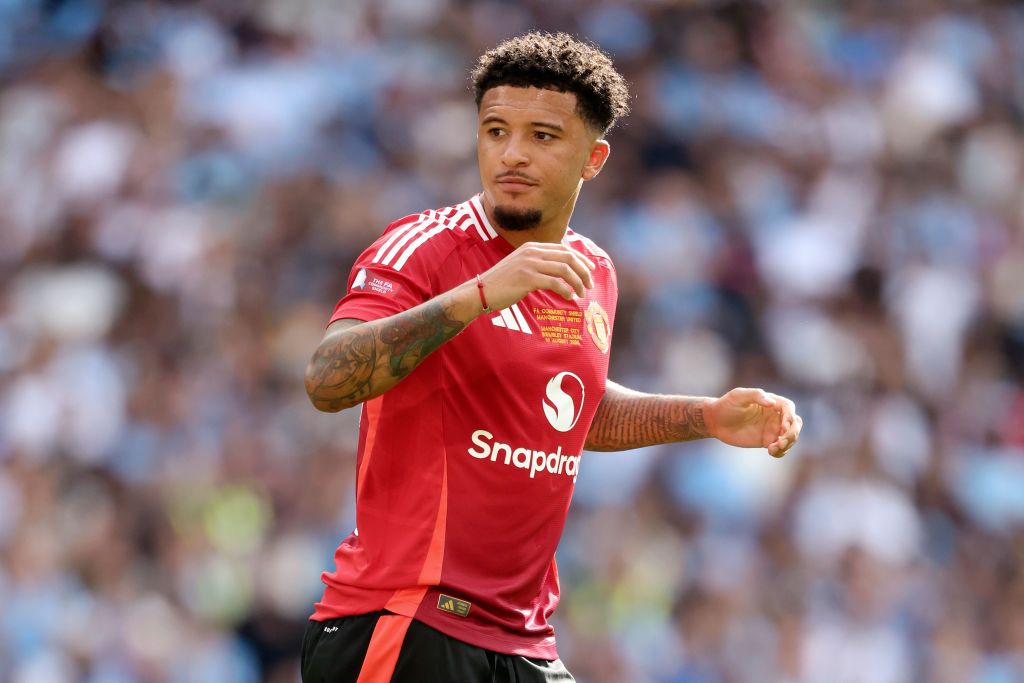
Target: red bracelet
{"x":483,"y":299}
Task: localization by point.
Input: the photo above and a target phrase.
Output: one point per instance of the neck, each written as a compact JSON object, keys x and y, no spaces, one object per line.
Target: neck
{"x":551,"y":230}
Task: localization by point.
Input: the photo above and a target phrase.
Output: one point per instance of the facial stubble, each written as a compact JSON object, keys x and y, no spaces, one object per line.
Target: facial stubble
{"x":517,"y":220}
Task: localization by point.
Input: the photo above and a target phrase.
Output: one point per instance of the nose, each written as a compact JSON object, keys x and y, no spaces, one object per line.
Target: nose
{"x":514,"y":155}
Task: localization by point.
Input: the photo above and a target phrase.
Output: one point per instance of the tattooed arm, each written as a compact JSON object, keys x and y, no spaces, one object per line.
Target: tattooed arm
{"x":357,"y":361}
{"x":743,"y":417}
{"x":629,"y":419}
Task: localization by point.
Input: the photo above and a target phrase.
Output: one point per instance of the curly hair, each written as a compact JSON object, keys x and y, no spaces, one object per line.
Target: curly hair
{"x":557,"y":62}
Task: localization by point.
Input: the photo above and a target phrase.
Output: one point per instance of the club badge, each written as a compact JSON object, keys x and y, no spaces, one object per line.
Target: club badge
{"x":598,"y":326}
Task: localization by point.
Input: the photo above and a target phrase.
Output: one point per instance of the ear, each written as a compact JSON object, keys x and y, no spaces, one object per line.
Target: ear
{"x":595,"y":162}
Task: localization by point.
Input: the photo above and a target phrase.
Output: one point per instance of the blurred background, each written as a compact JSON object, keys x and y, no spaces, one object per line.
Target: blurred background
{"x":820,"y":198}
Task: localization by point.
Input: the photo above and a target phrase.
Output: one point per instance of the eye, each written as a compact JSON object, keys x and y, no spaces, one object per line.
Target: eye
{"x":541,"y":135}
{"x":495,"y":132}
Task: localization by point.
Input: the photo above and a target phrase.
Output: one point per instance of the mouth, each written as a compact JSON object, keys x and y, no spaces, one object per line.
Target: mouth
{"x":515,"y":184}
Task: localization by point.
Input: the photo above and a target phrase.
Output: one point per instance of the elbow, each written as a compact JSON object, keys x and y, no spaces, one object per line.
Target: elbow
{"x":338,"y":375}
{"x":321,"y":398}
{"x":325,"y":405}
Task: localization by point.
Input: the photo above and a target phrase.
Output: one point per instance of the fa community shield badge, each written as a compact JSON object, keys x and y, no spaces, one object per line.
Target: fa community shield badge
{"x":597,"y":325}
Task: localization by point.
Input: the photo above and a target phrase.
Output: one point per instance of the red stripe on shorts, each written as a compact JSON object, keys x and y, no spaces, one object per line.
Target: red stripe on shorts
{"x":382,"y":653}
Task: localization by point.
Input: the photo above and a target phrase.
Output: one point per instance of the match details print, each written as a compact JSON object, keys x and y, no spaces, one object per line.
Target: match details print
{"x":560,"y":326}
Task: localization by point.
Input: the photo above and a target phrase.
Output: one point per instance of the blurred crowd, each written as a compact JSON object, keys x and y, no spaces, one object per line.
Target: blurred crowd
{"x":819,"y":198}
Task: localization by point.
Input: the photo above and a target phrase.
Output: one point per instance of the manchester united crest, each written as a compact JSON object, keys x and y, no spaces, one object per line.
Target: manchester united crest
{"x":598,"y":326}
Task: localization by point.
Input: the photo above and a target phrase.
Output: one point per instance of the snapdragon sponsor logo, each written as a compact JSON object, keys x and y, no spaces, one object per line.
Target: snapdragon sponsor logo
{"x":560,"y":408}
{"x":485,"y":447}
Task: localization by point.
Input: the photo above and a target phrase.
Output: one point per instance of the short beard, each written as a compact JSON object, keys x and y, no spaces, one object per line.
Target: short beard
{"x":517,"y":220}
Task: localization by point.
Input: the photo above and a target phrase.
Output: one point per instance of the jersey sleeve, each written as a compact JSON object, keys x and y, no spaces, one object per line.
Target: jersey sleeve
{"x":394,"y":274}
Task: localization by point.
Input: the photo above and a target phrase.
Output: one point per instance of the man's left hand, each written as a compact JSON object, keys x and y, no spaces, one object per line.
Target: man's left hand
{"x":753,"y":417}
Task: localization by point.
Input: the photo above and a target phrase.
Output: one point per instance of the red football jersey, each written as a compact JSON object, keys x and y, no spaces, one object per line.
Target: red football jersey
{"x":467,"y":466}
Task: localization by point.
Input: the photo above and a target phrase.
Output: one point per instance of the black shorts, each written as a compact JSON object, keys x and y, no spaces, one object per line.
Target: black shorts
{"x":381,"y":647}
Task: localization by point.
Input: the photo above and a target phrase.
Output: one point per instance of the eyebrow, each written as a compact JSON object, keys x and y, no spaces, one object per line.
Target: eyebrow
{"x":494,"y":118}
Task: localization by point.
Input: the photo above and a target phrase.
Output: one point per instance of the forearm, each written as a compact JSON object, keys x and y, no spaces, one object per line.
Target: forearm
{"x":361,"y":362}
{"x":630,"y":419}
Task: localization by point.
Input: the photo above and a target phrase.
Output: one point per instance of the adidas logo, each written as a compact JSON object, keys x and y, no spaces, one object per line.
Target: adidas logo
{"x":513,"y":319}
{"x":447,"y":603}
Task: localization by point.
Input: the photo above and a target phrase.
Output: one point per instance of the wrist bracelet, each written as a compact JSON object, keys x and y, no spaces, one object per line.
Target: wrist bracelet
{"x":483,"y":299}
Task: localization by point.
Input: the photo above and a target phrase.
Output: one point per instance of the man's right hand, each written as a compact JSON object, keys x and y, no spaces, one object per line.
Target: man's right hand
{"x":537,"y":265}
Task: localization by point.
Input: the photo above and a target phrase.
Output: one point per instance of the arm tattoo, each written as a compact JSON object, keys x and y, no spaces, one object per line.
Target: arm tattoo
{"x":365,"y":360}
{"x":411,"y":336}
{"x":341,"y":370}
{"x":628,"y":419}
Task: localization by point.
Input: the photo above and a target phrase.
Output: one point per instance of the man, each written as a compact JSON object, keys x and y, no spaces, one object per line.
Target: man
{"x":476,"y":338}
